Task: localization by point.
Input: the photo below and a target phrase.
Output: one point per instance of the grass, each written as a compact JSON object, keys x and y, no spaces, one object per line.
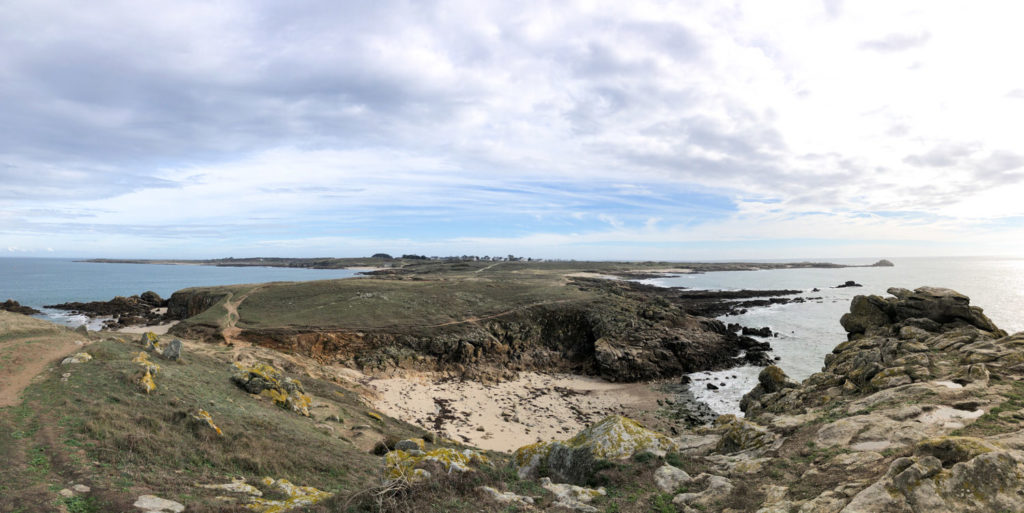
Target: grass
{"x":99,"y":428}
{"x":991,"y":423}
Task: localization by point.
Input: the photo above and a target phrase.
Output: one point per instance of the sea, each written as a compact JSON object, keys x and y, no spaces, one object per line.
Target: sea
{"x":808,"y":331}
{"x":37,"y":282}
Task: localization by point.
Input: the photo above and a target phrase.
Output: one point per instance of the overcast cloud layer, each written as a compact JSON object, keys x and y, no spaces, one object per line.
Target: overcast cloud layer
{"x":669,"y":130}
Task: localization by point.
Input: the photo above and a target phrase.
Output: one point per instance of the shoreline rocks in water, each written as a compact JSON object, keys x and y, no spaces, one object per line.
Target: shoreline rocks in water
{"x":142,"y":309}
{"x":13,"y":306}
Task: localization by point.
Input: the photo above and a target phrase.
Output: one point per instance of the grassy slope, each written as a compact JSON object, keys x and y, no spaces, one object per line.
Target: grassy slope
{"x":98,"y":428}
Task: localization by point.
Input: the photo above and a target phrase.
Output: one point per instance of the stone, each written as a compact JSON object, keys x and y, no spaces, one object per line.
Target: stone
{"x":741,"y":435}
{"x":571,"y":496}
{"x":81,"y":488}
{"x":263,"y":379}
{"x":172,"y":351}
{"x":66,"y":493}
{"x":716,"y":489}
{"x":76,"y":358}
{"x":149,"y":341}
{"x":865,"y":312}
{"x":297,"y":496}
{"x":415,"y":444}
{"x":405,"y":465}
{"x":614,"y":437}
{"x":505,"y":497}
{"x":154,"y":504}
{"x":669,"y":478}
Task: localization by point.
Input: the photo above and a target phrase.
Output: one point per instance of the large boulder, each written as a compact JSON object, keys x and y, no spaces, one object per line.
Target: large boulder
{"x":866,"y":312}
{"x":943,"y":306}
{"x":614,"y":437}
{"x":172,"y":351}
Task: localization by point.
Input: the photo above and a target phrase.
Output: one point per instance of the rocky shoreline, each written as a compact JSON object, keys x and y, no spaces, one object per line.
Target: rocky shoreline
{"x":145,"y":309}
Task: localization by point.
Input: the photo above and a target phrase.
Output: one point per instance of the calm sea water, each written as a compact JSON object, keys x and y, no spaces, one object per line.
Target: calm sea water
{"x":46,"y":281}
{"x":808,"y":331}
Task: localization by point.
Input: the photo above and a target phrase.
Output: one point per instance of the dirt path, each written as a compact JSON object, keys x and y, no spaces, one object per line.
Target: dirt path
{"x":231,"y":306}
{"x":27,"y":347}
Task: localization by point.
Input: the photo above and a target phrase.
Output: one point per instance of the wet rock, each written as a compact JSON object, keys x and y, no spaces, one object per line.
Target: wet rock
{"x":757,"y":332}
{"x":13,"y":306}
{"x":848,"y":283}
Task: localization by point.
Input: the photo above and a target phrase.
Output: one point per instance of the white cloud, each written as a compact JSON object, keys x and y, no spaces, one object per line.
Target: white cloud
{"x":862,"y":121}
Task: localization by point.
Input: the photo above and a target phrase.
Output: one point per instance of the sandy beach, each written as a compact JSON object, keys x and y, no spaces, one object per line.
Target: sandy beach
{"x":508,"y":415}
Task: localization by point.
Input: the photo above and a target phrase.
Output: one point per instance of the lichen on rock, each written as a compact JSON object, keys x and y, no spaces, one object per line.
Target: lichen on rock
{"x":263,"y":379}
{"x":614,"y":437}
{"x":76,"y":358}
{"x":205,"y":417}
{"x":151,"y":369}
{"x":407,"y":465}
{"x":298,"y":496}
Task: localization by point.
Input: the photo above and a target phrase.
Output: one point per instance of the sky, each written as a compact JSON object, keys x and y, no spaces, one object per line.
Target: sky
{"x":588,"y":130}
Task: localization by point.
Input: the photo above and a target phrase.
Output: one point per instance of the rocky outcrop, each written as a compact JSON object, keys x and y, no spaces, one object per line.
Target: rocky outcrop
{"x":13,"y":306}
{"x":624,"y":332}
{"x":574,"y":460}
{"x":124,"y":311}
{"x":882,"y":263}
{"x":263,"y":379}
{"x":888,"y":425}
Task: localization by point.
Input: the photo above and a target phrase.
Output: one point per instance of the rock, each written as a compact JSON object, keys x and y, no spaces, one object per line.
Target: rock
{"x":571,"y":496}
{"x":411,"y":445}
{"x":172,"y":351}
{"x":505,"y":497}
{"x":951,"y":450}
{"x":883,"y":263}
{"x":712,"y":386}
{"x":265,"y":380}
{"x":848,"y":283}
{"x":741,"y":435}
{"x":865,"y":312}
{"x":152,"y":298}
{"x":82,"y":330}
{"x":66,"y":493}
{"x":76,"y":358}
{"x":407,"y":466}
{"x":669,"y":478}
{"x":757,"y":332}
{"x":149,"y":341}
{"x":988,"y":482}
{"x":943,"y":306}
{"x":154,"y":504}
{"x":81,"y":488}
{"x":614,"y":437}
{"x":716,"y":489}
{"x":13,"y":306}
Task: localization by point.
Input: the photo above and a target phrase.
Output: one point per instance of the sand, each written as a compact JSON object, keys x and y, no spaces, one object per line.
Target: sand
{"x":159,"y":329}
{"x":511,"y":414}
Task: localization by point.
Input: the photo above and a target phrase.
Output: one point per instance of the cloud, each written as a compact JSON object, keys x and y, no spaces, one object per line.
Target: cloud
{"x":198,"y":127}
{"x":896,"y":42}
